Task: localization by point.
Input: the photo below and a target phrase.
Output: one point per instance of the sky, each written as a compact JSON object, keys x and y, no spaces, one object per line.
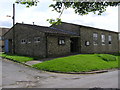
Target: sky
{"x":40,"y":13}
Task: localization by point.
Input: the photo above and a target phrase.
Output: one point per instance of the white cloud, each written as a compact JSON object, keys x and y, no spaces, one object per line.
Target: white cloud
{"x":108,"y":20}
{"x":39,"y":14}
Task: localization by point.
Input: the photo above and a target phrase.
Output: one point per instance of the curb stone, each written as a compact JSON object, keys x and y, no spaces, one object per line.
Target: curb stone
{"x":92,"y":72}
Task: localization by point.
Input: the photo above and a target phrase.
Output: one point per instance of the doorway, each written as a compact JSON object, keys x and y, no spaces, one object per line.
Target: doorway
{"x":8,"y":46}
{"x":74,"y":45}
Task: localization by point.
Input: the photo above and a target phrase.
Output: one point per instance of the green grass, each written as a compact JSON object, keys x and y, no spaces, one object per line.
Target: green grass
{"x":22,"y":59}
{"x":107,"y":57}
{"x":80,"y":63}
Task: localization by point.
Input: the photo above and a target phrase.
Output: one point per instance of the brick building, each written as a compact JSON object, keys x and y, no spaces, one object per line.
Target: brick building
{"x":64,"y":39}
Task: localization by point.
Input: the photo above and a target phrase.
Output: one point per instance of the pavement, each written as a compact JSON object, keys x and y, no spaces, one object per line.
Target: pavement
{"x":30,"y":63}
{"x":15,"y":75}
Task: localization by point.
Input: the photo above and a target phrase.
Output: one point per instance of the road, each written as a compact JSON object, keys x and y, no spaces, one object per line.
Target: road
{"x":15,"y":75}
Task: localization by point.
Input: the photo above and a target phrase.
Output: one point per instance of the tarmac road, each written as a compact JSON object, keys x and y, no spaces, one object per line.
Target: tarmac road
{"x":15,"y":75}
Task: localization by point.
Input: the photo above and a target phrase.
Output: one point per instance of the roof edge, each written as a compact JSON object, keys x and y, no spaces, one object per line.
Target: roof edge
{"x":90,"y":27}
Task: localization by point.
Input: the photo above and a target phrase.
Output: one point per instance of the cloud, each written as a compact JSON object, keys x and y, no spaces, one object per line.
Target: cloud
{"x":108,"y":20}
{"x":5,"y":24}
{"x":39,"y":14}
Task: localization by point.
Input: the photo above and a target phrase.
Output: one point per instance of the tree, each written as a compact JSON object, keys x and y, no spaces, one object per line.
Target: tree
{"x":81,"y":8}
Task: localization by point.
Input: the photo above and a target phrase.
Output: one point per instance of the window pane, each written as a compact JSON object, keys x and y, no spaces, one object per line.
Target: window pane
{"x":61,"y":41}
{"x":37,"y":39}
{"x":109,"y":38}
{"x":95,"y":38}
{"x":103,"y":39}
{"x":23,"y":41}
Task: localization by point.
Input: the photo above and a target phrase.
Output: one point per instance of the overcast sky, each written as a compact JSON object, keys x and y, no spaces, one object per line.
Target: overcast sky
{"x":40,"y":13}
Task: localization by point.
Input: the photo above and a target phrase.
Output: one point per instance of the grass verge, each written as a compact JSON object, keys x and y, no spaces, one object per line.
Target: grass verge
{"x":80,"y":63}
{"x":21,"y":59}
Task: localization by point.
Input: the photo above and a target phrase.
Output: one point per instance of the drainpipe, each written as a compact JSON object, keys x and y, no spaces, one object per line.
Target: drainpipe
{"x":46,"y":45}
{"x":13,"y":28}
{"x":118,"y":42}
{"x":80,"y":39}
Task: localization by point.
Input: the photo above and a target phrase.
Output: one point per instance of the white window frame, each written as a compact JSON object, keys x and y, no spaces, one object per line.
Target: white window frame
{"x":61,"y":41}
{"x":23,"y":41}
{"x":29,"y":41}
{"x":36,"y":39}
{"x":95,"y":38}
{"x":103,"y":39}
{"x":87,"y":43}
{"x":109,"y":39}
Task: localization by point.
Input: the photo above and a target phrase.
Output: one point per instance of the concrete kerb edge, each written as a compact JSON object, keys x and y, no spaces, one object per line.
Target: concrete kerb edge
{"x":17,"y":61}
{"x":92,"y":72}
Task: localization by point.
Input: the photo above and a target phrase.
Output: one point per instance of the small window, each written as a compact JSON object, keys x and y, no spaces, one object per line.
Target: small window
{"x":110,"y":39}
{"x":95,"y":38}
{"x":29,"y":41}
{"x":37,"y":39}
{"x":103,"y":39}
{"x":61,"y":41}
{"x":87,"y":43}
{"x":23,"y":41}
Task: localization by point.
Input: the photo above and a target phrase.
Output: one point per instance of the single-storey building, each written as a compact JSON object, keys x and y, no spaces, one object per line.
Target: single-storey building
{"x":59,"y":40}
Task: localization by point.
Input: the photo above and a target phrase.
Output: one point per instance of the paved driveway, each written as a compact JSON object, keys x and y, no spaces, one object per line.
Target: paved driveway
{"x":15,"y":75}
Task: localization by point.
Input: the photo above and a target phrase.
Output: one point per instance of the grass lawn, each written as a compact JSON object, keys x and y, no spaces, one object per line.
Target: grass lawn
{"x":22,"y":59}
{"x":80,"y":63}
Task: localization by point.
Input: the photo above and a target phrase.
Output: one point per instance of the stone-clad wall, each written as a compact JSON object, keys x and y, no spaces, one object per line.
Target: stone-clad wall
{"x":86,"y":34}
{"x":37,"y":49}
{"x":57,"y":50}
{"x":30,"y":49}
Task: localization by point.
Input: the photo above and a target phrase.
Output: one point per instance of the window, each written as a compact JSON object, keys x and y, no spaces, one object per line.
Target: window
{"x":61,"y":41}
{"x":23,"y":41}
{"x":37,"y":39}
{"x":95,"y":38}
{"x":87,"y":43}
{"x":103,"y":39}
{"x":29,"y":41}
{"x":109,"y":39}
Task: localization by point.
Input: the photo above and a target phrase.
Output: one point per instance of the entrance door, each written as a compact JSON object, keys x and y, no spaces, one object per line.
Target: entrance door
{"x":8,"y":45}
{"x":74,"y":45}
